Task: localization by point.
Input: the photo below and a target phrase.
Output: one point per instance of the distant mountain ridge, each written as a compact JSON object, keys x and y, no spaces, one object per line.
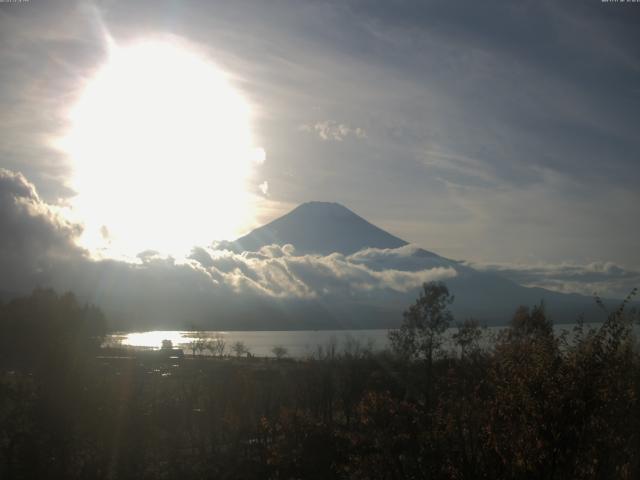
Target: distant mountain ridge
{"x":319,"y":228}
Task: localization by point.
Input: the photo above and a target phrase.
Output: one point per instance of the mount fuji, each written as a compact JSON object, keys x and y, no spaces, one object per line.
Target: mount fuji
{"x":323,"y":228}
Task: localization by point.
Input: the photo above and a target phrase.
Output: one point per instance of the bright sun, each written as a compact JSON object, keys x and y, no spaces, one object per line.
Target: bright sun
{"x":162,"y":151}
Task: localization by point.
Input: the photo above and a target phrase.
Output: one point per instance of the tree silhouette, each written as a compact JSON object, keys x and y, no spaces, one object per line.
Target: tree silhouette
{"x":239,"y":348}
{"x":279,"y":351}
{"x":420,"y":334}
{"x":468,"y":337}
{"x":217,"y":345}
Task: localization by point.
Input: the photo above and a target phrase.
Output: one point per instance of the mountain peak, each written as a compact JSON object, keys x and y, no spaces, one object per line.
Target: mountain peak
{"x":320,"y":228}
{"x":320,"y":204}
{"x":317,"y":208}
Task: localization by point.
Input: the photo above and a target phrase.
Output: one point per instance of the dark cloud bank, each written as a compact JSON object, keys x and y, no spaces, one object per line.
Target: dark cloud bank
{"x":271,"y":288}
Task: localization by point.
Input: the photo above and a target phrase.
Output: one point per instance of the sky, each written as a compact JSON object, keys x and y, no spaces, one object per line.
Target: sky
{"x":504,"y":134}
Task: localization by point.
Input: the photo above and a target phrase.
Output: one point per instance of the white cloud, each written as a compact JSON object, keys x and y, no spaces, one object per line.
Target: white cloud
{"x":274,"y":286}
{"x":264,"y":188}
{"x":607,"y":279}
{"x":259,"y":156}
{"x":277,"y":271}
{"x":39,"y":249}
{"x":333,"y":131}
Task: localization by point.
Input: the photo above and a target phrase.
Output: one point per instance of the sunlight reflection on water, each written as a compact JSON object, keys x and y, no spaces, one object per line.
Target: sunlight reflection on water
{"x":154,"y":338}
{"x":299,"y":344}
{"x":260,"y":343}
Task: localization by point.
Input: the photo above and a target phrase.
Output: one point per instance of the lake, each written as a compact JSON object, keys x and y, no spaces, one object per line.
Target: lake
{"x":299,"y":343}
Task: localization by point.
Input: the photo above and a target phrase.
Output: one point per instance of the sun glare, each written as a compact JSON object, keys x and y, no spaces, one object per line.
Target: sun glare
{"x":153,"y":339}
{"x":162,"y":151}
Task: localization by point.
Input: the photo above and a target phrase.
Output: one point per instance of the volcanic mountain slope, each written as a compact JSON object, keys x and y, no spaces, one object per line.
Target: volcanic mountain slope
{"x":319,"y":228}
{"x":323,"y":228}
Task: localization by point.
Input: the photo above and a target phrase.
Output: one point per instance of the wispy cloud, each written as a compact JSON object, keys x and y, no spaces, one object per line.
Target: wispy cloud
{"x":333,"y":131}
{"x":603,"y":278}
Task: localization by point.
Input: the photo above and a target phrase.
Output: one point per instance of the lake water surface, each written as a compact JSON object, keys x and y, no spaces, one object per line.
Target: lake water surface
{"x":299,"y":344}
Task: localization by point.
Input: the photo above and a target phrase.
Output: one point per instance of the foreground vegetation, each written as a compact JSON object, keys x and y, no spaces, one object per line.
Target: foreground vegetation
{"x":532,"y":406}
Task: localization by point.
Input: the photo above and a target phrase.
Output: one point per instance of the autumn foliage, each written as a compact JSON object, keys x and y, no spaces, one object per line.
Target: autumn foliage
{"x":529,"y":404}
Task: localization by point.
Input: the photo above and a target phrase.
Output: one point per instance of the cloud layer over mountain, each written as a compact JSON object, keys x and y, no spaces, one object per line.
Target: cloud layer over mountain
{"x":604,"y":278}
{"x":278,"y":271}
{"x":39,"y":249}
{"x":273,"y":287}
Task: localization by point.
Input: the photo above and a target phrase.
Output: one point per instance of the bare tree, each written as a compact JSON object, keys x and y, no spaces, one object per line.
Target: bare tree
{"x":239,"y":348}
{"x":357,"y":347}
{"x":199,"y":343}
{"x":217,"y":345}
{"x":279,"y":352}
